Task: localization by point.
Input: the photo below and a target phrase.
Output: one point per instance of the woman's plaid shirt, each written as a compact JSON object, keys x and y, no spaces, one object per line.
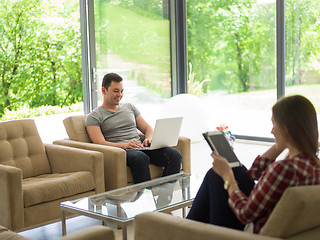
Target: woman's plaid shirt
{"x":273,"y":178}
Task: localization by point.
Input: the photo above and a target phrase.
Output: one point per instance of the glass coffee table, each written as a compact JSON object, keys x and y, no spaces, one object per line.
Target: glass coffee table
{"x":120,"y":206}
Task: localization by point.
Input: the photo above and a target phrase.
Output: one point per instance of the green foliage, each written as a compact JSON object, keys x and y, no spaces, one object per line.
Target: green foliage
{"x":25,"y":112}
{"x":231,"y":42}
{"x":40,"y":54}
{"x":135,"y":32}
{"x":195,"y":87}
{"x":302,"y":39}
{"x":133,"y":36}
{"x":153,"y":7}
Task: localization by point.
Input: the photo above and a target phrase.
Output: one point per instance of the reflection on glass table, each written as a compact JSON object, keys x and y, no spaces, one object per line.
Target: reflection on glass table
{"x":120,"y":206}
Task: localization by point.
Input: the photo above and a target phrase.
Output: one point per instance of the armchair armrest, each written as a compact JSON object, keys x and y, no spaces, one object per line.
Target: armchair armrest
{"x":66,"y":159}
{"x":115,"y":163}
{"x":92,"y":233}
{"x":11,"y":197}
{"x":183,"y":146}
{"x":166,"y":227}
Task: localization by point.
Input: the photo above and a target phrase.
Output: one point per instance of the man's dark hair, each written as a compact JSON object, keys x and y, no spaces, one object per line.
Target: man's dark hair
{"x":110,"y":77}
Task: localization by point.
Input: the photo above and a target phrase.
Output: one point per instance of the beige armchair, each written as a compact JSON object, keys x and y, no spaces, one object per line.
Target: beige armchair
{"x":35,"y":178}
{"x":116,"y":172}
{"x":91,"y":233}
{"x":295,"y":217}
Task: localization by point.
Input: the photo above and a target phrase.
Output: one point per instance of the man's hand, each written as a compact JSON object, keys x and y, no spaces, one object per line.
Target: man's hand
{"x":147,"y":142}
{"x":133,"y":144}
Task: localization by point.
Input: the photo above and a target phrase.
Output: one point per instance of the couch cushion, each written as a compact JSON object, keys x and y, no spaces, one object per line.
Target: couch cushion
{"x":49,"y":187}
{"x":297,"y":211}
{"x":21,"y":147}
{"x":75,"y":127}
{"x":6,"y":234}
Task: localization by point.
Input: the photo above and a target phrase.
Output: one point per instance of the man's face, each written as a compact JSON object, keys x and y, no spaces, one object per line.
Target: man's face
{"x":114,"y":93}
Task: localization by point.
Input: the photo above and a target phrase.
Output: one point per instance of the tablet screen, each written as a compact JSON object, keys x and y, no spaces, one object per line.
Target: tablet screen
{"x":222,"y":146}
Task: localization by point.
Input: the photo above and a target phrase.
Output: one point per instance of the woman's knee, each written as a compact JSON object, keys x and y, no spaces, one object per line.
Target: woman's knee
{"x":212,"y":176}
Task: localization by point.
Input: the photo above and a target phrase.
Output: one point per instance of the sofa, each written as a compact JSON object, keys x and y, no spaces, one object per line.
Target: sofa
{"x":116,"y":172}
{"x":295,"y":217}
{"x":91,"y":233}
{"x":36,"y":177}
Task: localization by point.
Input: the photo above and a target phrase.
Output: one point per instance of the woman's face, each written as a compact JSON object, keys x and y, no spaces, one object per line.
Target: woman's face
{"x":280,"y":135}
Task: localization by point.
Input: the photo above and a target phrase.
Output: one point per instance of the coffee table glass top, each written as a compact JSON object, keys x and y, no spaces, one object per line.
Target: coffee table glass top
{"x":125,"y":203}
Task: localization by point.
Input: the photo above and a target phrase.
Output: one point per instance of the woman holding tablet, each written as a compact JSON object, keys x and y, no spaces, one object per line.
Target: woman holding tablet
{"x":229,"y":196}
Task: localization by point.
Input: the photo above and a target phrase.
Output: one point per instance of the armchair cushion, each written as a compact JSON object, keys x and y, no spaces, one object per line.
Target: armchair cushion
{"x":91,"y":233}
{"x":49,"y":187}
{"x":76,"y":130}
{"x":161,"y":226}
{"x":296,"y":212}
{"x":77,"y":160}
{"x":6,"y":234}
{"x":21,"y":147}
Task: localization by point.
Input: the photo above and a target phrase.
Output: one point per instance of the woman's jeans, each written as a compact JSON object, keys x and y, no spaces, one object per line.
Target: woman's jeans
{"x":211,"y":202}
{"x":138,"y":161}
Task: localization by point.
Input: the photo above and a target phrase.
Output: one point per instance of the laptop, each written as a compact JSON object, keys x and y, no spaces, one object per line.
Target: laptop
{"x":166,"y":133}
{"x":218,"y":143}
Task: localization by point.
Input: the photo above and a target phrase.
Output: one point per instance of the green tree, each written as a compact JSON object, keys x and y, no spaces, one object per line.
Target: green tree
{"x":227,"y":42}
{"x":61,"y":53}
{"x":17,"y":26}
{"x":302,"y":39}
{"x":40,"y":54}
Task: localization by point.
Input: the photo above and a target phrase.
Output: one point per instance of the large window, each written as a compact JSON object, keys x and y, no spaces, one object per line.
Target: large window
{"x":40,"y":58}
{"x":231,"y":50}
{"x":132,"y":38}
{"x":303,"y":49}
{"x":241,"y":55}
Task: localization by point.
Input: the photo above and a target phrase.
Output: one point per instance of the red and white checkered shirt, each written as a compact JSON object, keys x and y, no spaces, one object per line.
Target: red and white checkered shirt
{"x":273,"y":178}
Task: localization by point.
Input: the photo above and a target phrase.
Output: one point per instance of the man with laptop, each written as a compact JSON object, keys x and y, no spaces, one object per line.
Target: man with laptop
{"x":115,"y":124}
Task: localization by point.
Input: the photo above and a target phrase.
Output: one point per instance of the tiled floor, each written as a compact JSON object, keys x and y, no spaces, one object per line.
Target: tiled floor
{"x":200,"y":163}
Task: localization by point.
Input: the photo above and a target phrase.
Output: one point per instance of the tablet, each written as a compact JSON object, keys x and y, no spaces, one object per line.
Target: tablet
{"x":218,"y":143}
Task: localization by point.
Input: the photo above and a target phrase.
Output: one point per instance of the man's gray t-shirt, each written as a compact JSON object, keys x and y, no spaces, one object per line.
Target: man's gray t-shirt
{"x":117,"y":126}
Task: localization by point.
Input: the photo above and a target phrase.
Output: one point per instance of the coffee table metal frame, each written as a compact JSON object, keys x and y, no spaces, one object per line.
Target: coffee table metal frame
{"x":124,"y":222}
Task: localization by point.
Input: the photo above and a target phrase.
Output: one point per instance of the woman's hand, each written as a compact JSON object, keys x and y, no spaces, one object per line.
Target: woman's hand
{"x":273,"y":152}
{"x":221,"y":166}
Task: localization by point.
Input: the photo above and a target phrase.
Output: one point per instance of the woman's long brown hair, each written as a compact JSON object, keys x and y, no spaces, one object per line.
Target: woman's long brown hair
{"x":297,"y":116}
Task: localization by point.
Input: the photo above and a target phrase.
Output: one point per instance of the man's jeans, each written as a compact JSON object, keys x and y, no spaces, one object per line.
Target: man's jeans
{"x":138,"y":161}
